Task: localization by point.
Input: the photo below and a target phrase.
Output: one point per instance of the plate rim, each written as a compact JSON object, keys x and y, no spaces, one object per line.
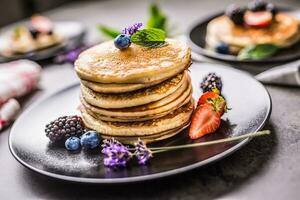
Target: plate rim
{"x":163,"y":174}
{"x":229,"y":58}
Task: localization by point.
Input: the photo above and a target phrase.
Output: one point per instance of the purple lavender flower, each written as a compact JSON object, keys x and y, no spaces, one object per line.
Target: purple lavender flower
{"x":142,"y":153}
{"x":130,"y":30}
{"x":116,"y":154}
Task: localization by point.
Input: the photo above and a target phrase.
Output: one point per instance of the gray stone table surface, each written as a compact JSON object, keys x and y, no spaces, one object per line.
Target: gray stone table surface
{"x":266,"y":168}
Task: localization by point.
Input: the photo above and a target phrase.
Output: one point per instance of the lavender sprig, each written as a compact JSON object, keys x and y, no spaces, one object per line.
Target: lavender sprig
{"x":70,"y":56}
{"x":130,"y":30}
{"x":142,"y":153}
{"x":116,"y":154}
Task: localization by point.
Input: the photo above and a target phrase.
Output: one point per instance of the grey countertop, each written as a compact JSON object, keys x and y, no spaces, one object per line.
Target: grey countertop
{"x":266,"y":168}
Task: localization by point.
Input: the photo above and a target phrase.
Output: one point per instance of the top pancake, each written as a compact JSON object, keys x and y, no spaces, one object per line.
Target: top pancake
{"x":283,"y":32}
{"x":105,"y":63}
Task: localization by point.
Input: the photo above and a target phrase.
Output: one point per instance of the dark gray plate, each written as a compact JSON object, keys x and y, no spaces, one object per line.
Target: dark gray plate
{"x":197,"y":35}
{"x":73,"y":33}
{"x":251,"y":108}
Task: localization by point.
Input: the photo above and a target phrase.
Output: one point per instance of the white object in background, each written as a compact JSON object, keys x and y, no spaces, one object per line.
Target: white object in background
{"x":8,"y":112}
{"x":18,"y":78}
{"x":288,"y":74}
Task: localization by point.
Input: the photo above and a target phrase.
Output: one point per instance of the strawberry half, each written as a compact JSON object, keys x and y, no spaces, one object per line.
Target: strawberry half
{"x":258,"y":19}
{"x":205,"y":120}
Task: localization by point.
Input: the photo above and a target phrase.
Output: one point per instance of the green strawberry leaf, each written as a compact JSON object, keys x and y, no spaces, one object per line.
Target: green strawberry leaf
{"x":107,"y":31}
{"x":157,"y":18}
{"x":151,"y":37}
{"x":257,"y":52}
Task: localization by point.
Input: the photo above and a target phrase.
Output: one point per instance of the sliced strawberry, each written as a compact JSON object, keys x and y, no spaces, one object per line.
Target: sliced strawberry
{"x":204,"y":121}
{"x":258,"y":19}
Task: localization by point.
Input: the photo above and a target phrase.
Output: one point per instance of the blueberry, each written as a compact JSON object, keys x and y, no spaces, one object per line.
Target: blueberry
{"x":271,"y":8}
{"x":72,"y":143}
{"x":90,"y":140}
{"x":257,"y":5}
{"x":222,"y":48}
{"x":122,"y":41}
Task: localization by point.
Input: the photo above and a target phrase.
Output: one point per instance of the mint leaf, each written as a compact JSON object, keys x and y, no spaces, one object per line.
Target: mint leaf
{"x":257,"y":52}
{"x":151,"y":37}
{"x":157,"y":19}
{"x":110,"y":32}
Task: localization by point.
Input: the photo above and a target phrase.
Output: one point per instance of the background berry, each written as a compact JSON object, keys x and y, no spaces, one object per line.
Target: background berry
{"x":222,"y":48}
{"x":258,"y":5}
{"x":236,"y":14}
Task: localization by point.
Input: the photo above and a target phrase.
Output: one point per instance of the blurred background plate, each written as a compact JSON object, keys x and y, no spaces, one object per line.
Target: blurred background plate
{"x":197,"y":35}
{"x":251,"y":108}
{"x":73,"y":33}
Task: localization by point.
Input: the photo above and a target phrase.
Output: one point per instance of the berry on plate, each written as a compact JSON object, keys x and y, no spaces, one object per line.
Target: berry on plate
{"x":64,"y":127}
{"x":90,"y":140}
{"x":205,"y":120}
{"x":72,"y":144}
{"x":236,"y":14}
{"x":207,"y":116}
{"x":258,"y":19}
{"x":211,"y":81}
{"x":272,"y":8}
{"x":222,"y":48}
{"x":257,"y":5}
{"x":122,"y":41}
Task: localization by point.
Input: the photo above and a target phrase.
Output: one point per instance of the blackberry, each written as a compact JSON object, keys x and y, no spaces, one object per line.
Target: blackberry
{"x":236,"y":14}
{"x":257,"y":5}
{"x":211,"y":81}
{"x":64,"y":127}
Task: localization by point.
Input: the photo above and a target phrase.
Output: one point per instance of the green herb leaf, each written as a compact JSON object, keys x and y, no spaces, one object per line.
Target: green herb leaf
{"x":110,"y":32}
{"x":151,"y":37}
{"x":157,"y":18}
{"x":257,"y":52}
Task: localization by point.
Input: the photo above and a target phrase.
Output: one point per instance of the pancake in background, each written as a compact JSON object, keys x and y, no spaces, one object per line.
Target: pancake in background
{"x":284,"y":32}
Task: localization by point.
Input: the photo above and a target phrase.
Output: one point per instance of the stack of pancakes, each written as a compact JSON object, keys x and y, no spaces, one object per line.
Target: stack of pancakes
{"x":136,"y":93}
{"x":283,"y":32}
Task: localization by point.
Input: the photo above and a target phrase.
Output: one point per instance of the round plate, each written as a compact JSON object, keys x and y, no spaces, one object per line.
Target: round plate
{"x":197,"y":35}
{"x":73,"y":33}
{"x":251,"y":108}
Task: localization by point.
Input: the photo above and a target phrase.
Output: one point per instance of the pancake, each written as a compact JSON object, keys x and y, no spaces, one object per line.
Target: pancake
{"x":147,"y":109}
{"x":142,"y":115}
{"x":117,"y":88}
{"x":173,"y":120}
{"x":136,"y":98}
{"x":149,"y":139}
{"x":104,"y":63}
{"x":283,"y":32}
